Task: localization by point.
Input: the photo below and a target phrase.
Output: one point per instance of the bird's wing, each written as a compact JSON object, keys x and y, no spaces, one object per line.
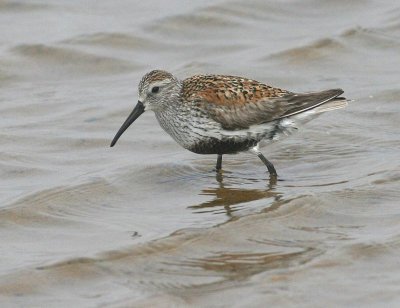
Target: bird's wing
{"x":237,"y":103}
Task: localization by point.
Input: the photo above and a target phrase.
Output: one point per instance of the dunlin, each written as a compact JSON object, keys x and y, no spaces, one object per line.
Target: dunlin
{"x":218,"y":114}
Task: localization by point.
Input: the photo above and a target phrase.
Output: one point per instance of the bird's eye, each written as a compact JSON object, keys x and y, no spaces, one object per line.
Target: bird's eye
{"x":155,"y":89}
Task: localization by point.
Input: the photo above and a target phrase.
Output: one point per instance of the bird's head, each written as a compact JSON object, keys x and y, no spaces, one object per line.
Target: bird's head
{"x":156,"y":90}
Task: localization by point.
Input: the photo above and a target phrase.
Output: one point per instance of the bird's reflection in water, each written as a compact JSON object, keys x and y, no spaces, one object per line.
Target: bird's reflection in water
{"x":228,"y":197}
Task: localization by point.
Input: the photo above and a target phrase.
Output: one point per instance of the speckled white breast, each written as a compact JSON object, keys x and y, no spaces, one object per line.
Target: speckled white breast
{"x":187,"y":127}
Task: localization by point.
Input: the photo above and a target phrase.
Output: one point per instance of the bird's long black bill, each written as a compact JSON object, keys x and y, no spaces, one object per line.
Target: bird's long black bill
{"x":137,"y":111}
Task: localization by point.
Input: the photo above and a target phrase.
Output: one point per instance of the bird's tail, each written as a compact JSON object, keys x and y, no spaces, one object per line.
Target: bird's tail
{"x":334,"y":104}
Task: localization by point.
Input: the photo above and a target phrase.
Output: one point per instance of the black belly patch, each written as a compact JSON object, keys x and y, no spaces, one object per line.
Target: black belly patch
{"x":215,"y":146}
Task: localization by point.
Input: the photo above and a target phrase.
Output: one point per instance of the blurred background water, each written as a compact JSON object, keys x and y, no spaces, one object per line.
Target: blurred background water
{"x":147,"y":223}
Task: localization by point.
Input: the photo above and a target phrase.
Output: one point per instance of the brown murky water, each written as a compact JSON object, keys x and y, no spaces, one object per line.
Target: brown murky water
{"x":149,"y":224}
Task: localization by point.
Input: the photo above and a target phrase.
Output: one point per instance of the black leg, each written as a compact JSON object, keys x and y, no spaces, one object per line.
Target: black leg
{"x":270,"y":166}
{"x":219,"y":163}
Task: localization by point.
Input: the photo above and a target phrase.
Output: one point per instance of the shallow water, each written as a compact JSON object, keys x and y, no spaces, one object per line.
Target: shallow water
{"x":147,"y":223}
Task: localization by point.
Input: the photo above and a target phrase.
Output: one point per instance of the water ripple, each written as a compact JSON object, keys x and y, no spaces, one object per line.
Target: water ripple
{"x":59,"y":61}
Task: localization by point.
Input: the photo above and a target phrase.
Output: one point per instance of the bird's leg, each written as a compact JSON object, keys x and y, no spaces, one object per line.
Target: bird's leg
{"x":270,"y":166}
{"x":218,"y":167}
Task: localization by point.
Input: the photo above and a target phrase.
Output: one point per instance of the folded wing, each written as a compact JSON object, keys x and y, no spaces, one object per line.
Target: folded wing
{"x":237,"y":103}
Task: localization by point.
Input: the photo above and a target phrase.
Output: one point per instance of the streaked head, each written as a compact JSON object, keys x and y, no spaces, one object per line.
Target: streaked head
{"x":156,"y":89}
